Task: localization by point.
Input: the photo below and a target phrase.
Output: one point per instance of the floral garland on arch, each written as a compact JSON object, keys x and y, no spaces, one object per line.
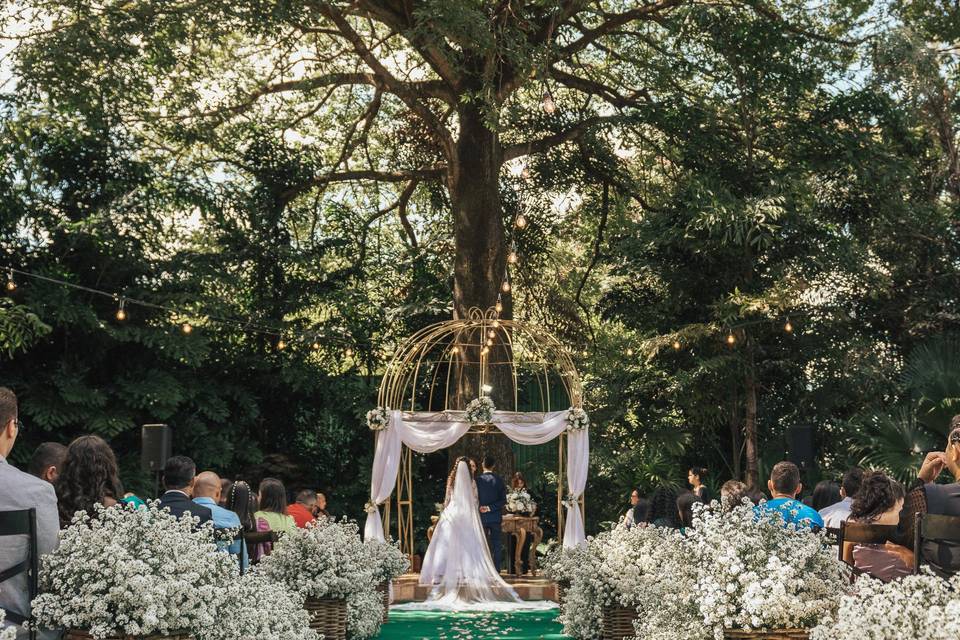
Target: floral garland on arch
{"x":378,"y":419}
{"x":480,"y":411}
{"x":577,"y":419}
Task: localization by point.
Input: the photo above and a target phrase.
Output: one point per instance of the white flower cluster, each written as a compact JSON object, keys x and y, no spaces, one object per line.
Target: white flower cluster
{"x":577,"y":419}
{"x":388,"y":560}
{"x":922,"y":606}
{"x":519,"y":501}
{"x":133,"y":572}
{"x":561,"y":564}
{"x":254,"y":608}
{"x":755,"y":573}
{"x":329,"y":560}
{"x":730,"y":570}
{"x":378,"y":419}
{"x":480,"y":411}
{"x":8,"y":633}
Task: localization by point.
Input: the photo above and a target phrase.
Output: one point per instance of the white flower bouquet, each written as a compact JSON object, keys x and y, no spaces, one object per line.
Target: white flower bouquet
{"x":133,"y":572}
{"x":387,"y":560}
{"x":254,"y":608}
{"x":922,"y":606}
{"x":8,"y":633}
{"x":480,"y":411}
{"x":519,"y":501}
{"x":754,"y":573}
{"x":577,"y":419}
{"x":329,"y":560}
{"x":378,"y":419}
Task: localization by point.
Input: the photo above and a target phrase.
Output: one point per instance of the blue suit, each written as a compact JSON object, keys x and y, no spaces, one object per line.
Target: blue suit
{"x":492,"y":492}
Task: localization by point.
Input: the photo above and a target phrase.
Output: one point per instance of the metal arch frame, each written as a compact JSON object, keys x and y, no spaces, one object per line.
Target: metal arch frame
{"x":540,"y":354}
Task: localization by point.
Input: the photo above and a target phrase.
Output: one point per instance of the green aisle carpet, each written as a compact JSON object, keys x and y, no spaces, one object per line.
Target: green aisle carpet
{"x":436,"y":625}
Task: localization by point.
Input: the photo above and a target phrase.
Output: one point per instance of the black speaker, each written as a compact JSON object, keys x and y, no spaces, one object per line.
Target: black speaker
{"x":155,"y":444}
{"x":800,"y":449}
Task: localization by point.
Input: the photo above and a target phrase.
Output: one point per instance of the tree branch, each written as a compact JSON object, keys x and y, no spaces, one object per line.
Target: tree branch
{"x":615,"y":21}
{"x":361,"y":175}
{"x":598,"y":89}
{"x":548,"y":142}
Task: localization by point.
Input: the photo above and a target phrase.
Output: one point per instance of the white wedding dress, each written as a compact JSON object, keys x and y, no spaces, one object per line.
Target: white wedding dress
{"x":457,"y":566}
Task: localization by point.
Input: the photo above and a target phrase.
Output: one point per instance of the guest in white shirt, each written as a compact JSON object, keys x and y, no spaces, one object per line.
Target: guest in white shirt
{"x":637,"y":513}
{"x":839,"y":512}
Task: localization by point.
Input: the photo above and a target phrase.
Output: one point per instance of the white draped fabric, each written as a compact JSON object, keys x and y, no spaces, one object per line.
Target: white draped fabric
{"x":429,"y":432}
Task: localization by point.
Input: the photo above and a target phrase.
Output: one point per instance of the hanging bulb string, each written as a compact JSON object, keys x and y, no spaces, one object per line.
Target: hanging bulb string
{"x":125,"y":302}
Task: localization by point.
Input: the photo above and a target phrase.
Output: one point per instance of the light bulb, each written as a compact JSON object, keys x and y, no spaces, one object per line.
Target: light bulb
{"x":513,"y":258}
{"x":491,"y":333}
{"x":496,"y":323}
{"x":731,"y":339}
{"x":187,"y":328}
{"x":316,"y":345}
{"x":506,"y":286}
{"x":281,"y":345}
{"x":11,"y":285}
{"x":121,"y":314}
{"x":548,"y":104}
{"x":455,"y":350}
{"x":788,"y":327}
{"x":484,"y":351}
{"x":521,"y":221}
{"x":676,"y":345}
{"x":629,"y":352}
{"x":498,"y":307}
{"x":489,"y":342}
{"x":348,"y":353}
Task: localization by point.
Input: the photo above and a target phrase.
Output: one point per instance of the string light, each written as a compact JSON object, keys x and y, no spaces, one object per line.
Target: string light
{"x":496,"y":323}
{"x":315,"y":345}
{"x":455,"y":350}
{"x":121,"y":312}
{"x":491,"y":333}
{"x":499,"y":306}
{"x":11,"y":284}
{"x":281,"y":345}
{"x":513,"y":258}
{"x":548,"y":104}
{"x":505,"y":287}
{"x":489,"y":342}
{"x":731,"y":339}
{"x":521,"y":221}
{"x":630,"y":352}
{"x":788,"y":327}
{"x":484,"y":351}
{"x":676,"y":345}
{"x":187,"y":328}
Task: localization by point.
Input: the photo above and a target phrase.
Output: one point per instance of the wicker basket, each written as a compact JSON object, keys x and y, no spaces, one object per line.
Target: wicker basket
{"x":618,"y":623}
{"x":384,"y":590}
{"x":775,"y":634}
{"x":328,"y":617}
{"x":562,"y":588}
{"x":80,"y":634}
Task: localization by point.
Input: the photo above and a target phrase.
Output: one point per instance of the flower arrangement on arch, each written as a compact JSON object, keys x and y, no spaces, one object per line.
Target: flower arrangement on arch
{"x":133,"y":572}
{"x":577,"y":419}
{"x":378,"y":419}
{"x":520,"y":501}
{"x":480,"y":411}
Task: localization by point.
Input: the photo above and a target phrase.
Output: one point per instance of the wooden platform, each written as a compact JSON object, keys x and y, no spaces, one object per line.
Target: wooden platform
{"x":407,"y":589}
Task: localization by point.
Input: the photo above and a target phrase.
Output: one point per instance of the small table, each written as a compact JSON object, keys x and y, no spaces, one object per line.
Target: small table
{"x":517,"y":526}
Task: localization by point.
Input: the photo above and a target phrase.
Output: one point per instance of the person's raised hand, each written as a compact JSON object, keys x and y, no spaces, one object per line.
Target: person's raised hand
{"x":932,"y":466}
{"x":951,"y":460}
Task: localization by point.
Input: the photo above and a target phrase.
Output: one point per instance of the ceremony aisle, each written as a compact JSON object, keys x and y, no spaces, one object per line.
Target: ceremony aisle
{"x":437,"y":625}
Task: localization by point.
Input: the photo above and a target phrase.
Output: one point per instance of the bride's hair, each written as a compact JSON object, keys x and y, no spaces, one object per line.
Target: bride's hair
{"x":452,"y":478}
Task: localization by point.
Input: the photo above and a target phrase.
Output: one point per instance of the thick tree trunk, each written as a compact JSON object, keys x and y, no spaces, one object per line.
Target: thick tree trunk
{"x":479,"y":236}
{"x":736,"y":444}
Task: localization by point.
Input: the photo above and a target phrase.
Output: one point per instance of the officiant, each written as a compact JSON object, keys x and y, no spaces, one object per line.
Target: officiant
{"x":492,"y":496}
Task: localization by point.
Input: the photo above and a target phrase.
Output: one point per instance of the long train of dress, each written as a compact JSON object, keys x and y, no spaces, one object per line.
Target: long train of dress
{"x":457,"y":566}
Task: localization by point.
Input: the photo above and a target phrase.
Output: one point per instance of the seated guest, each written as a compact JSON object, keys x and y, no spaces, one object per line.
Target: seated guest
{"x":732,"y":494}
{"x":206,"y":492}
{"x":942,"y":556}
{"x":784,"y":486}
{"x":825,"y":494}
{"x":834,"y":514}
{"x":628,"y":519}
{"x":18,"y":491}
{"x":302,"y":509}
{"x":696,"y":476}
{"x":89,"y":477}
{"x":273,"y":507}
{"x":879,"y":501}
{"x":240,"y":500}
{"x":685,"y":502}
{"x":640,"y":512}
{"x":663,"y":508}
{"x":224,"y":491}
{"x":321,"y":509}
{"x":179,"y":476}
{"x":47,"y":461}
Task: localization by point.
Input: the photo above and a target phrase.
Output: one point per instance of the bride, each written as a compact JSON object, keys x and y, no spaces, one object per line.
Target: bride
{"x":457,"y":565}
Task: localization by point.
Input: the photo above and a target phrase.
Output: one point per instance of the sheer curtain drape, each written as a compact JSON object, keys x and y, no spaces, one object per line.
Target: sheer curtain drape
{"x":426,"y":433}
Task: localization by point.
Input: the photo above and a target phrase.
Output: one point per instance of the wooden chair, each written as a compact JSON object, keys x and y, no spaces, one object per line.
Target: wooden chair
{"x":833,"y":535}
{"x":856,"y":533}
{"x":22,"y":523}
{"x":938,"y":528}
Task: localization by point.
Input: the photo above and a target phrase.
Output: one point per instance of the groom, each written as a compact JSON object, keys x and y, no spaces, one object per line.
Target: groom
{"x":492,"y":495}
